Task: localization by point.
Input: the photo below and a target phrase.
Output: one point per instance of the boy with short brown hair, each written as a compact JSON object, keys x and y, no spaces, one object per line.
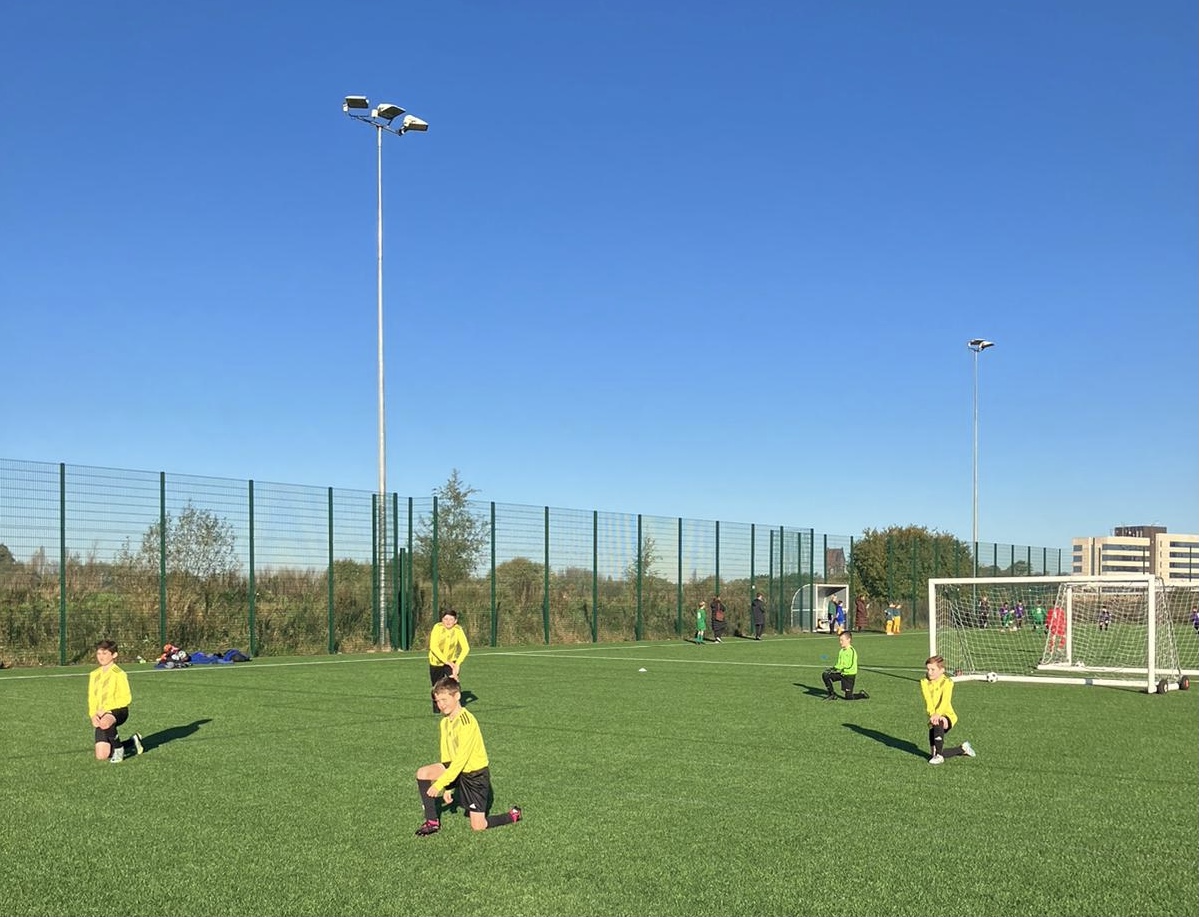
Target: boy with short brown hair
{"x":937,"y":689}
{"x":108,"y":700}
{"x":448,"y":649}
{"x":463,"y":774}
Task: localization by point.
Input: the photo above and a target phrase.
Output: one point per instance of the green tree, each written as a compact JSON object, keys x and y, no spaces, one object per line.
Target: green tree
{"x":900,"y":560}
{"x":647,"y":560}
{"x":519,"y":582}
{"x":199,"y":544}
{"x":1019,"y":568}
{"x":462,"y":536}
{"x":200,"y":555}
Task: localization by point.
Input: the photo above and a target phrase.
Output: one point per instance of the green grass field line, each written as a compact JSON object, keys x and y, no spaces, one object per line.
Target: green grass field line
{"x":716,"y":782}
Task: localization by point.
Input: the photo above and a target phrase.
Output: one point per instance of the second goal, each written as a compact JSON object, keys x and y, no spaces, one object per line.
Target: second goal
{"x":1101,"y":630}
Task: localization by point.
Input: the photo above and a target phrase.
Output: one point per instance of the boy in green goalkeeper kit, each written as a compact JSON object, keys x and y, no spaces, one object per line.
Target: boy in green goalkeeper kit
{"x":845,"y":670}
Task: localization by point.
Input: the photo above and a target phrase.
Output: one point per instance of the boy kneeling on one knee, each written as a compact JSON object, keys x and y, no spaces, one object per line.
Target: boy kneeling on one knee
{"x":844,"y":671}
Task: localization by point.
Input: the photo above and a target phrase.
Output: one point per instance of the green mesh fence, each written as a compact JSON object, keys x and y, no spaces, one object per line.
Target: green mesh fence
{"x":210,"y":564}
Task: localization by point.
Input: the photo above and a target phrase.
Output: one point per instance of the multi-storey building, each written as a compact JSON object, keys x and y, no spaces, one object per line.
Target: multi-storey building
{"x":1139,"y":549}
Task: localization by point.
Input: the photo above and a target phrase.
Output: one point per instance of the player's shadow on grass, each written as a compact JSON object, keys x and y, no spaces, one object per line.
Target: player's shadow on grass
{"x":160,"y":738}
{"x":905,"y":676}
{"x":468,"y":697}
{"x":811,"y":691}
{"x":889,"y":740}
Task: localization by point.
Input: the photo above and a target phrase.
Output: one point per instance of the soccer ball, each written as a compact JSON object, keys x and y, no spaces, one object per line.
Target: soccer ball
{"x":992,"y":677}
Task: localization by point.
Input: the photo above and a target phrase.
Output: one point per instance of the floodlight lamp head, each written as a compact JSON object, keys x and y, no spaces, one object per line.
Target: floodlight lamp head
{"x":387,"y":112}
{"x":356,"y":103}
{"x":978,"y":345}
{"x":413,"y":123}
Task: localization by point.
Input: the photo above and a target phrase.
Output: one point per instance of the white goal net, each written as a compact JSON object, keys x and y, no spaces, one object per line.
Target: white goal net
{"x":1101,"y":630}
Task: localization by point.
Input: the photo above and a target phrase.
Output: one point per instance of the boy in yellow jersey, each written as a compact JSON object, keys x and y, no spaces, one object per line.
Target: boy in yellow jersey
{"x":463,"y":773}
{"x":108,"y":700}
{"x":448,"y":648}
{"x":937,"y":688}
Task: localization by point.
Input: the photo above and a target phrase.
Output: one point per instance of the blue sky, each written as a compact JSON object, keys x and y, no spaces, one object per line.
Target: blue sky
{"x":695,"y":259}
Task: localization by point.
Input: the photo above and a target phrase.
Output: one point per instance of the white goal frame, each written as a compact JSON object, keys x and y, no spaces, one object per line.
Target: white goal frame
{"x":1151,"y":676}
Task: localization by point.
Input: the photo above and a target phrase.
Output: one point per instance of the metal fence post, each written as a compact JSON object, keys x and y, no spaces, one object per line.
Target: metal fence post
{"x":494,"y":619}
{"x":331,"y":625}
{"x":678,"y":592}
{"x":595,"y":576}
{"x":162,"y":557}
{"x":252,"y":589}
{"x":62,"y":563}
{"x":637,"y":629}
{"x":545,"y":589}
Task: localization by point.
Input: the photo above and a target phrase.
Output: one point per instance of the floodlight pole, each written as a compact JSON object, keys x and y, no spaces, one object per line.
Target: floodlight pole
{"x":380,"y":119}
{"x":978,"y":345}
{"x":382,"y":508}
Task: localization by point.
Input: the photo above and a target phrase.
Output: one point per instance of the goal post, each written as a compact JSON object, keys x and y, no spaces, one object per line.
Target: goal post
{"x":1115,"y":630}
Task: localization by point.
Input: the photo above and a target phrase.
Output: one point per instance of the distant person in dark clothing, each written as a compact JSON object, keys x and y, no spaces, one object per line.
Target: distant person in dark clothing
{"x":719,"y":623}
{"x":758,"y":614}
{"x":860,"y":613}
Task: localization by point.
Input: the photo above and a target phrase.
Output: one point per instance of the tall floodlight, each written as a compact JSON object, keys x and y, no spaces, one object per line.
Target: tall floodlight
{"x":978,"y":345}
{"x":381,"y":118}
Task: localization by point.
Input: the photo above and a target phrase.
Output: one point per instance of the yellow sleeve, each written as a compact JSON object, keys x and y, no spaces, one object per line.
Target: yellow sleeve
{"x":947,"y":702}
{"x":447,"y":752}
{"x":93,"y":693}
{"x":436,"y":639}
{"x":121,"y":695}
{"x":463,"y":645}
